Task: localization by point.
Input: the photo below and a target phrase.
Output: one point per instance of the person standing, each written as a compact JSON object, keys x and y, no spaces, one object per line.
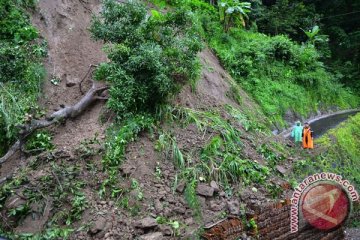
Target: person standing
{"x":307,"y":135}
{"x":297,"y":133}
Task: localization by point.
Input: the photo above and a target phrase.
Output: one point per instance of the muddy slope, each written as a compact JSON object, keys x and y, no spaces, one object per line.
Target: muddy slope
{"x":64,"y":24}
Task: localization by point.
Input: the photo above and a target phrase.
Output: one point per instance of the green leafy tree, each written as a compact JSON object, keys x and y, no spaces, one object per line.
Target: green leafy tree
{"x":314,"y":36}
{"x":233,"y":13}
{"x":150,"y":56}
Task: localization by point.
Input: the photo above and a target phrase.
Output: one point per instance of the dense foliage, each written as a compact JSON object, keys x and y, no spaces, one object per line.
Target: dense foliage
{"x":20,"y":69}
{"x":338,"y":19}
{"x":150,"y":55}
{"x":275,"y":65}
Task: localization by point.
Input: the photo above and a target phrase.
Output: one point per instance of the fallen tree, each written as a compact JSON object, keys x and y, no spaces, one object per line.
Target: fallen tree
{"x":26,"y":130}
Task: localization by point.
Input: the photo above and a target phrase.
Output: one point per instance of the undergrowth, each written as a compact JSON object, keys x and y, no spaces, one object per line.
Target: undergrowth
{"x":151,"y":57}
{"x":21,"y":71}
{"x":281,"y":75}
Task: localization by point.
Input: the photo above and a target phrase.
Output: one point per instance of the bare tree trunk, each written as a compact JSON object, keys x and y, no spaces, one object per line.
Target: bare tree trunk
{"x":67,"y":112}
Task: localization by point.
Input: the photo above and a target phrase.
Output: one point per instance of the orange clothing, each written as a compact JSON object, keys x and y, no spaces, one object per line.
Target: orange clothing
{"x":307,"y":138}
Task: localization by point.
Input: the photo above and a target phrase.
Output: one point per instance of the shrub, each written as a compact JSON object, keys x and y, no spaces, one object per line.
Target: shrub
{"x":21,"y":71}
{"x":150,"y":56}
{"x":276,"y":66}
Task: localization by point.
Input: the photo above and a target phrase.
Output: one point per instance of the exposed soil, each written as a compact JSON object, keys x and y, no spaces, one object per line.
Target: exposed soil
{"x":64,"y":24}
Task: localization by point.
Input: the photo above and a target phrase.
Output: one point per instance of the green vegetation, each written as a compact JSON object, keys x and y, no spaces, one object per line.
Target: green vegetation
{"x":267,"y":66}
{"x":38,"y":142}
{"x":338,"y":22}
{"x":175,"y":225}
{"x":118,"y":138}
{"x":151,"y":57}
{"x":21,"y":71}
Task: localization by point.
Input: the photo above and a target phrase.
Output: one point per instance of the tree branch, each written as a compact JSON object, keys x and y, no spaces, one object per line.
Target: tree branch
{"x":64,"y":113}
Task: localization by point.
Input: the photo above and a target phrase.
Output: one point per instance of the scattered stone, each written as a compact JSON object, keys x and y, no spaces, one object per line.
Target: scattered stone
{"x":233,"y":207}
{"x":180,"y":210}
{"x":98,"y":226}
{"x":222,"y":194}
{"x":205,"y":190}
{"x":281,"y":169}
{"x":168,"y":212}
{"x":162,"y":194}
{"x":188,"y":213}
{"x":70,"y":83}
{"x":147,"y":222}
{"x":158,"y":206}
{"x":126,"y":170}
{"x":202,"y":201}
{"x":215,"y":206}
{"x":180,"y":188}
{"x":152,"y":236}
{"x":189,"y":221}
{"x":215,"y":186}
{"x":166,"y":230}
{"x":171,"y":199}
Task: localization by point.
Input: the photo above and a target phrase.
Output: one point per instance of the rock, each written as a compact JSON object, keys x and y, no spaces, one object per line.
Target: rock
{"x":168,"y":212}
{"x":215,"y":206}
{"x":166,"y":230}
{"x":190,"y":233}
{"x":126,"y":170}
{"x":98,"y":226}
{"x":281,"y":169}
{"x":158,"y":206}
{"x":147,"y":222}
{"x":70,"y":84}
{"x":233,"y":207}
{"x":222,"y":194}
{"x":189,"y":221}
{"x":202,"y":201}
{"x":180,"y":210}
{"x":152,"y":236}
{"x":180,"y":188}
{"x":215,"y":186}
{"x":170,"y":199}
{"x":162,"y":194}
{"x":205,"y":190}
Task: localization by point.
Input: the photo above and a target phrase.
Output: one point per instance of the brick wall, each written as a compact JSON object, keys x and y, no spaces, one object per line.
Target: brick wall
{"x":274,"y":224}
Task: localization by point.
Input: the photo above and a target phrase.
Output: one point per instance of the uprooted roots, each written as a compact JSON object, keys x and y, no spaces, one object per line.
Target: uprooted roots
{"x":68,"y":112}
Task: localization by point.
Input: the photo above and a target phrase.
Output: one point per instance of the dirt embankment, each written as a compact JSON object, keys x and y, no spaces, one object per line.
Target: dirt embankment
{"x":64,"y":24}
